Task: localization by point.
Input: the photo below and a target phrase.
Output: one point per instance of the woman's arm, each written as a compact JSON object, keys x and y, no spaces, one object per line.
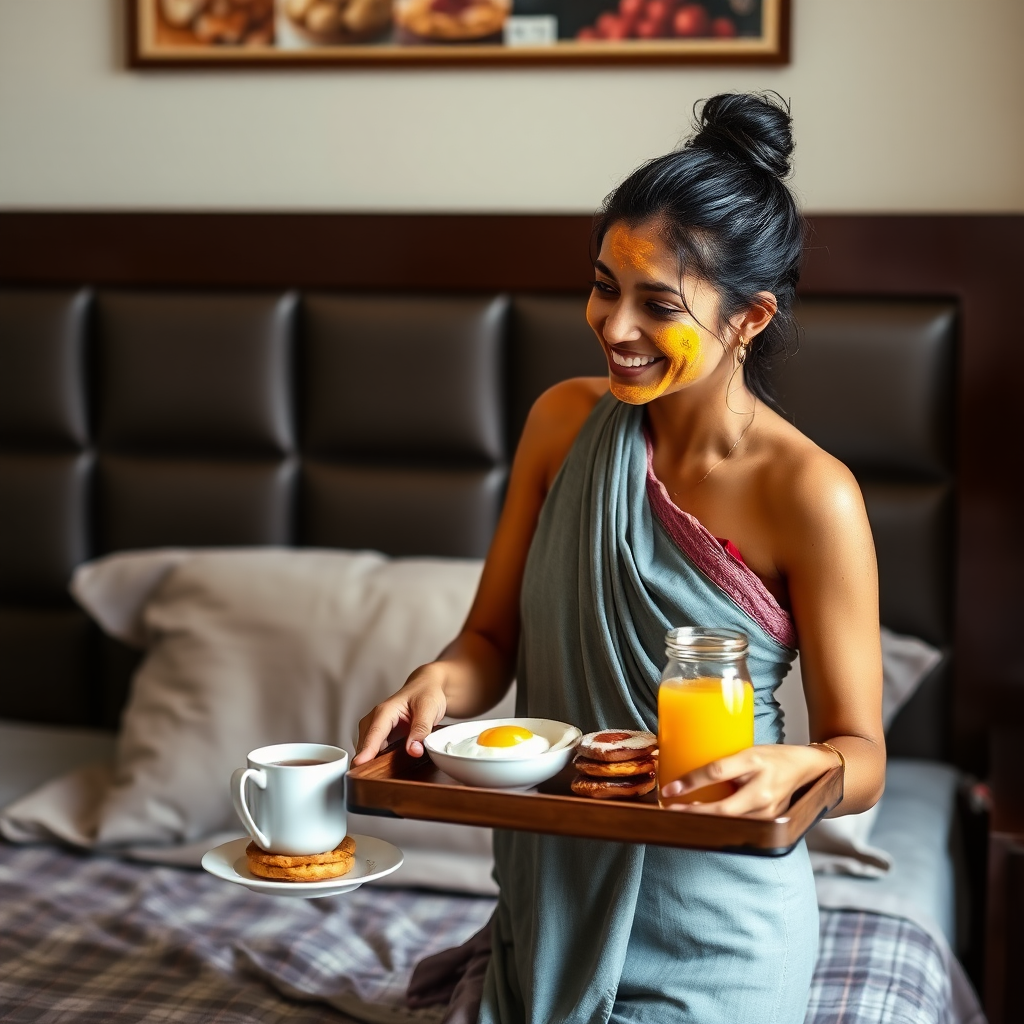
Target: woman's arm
{"x":474,"y":671}
{"x":833,"y":586}
{"x":825,"y":552}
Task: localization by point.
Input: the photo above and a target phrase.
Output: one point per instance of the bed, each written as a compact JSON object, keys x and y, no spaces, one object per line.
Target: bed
{"x":148,"y":404}
{"x":92,"y":937}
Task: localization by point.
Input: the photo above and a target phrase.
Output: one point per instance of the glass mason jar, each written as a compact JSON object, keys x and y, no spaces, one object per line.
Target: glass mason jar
{"x":705,"y":706}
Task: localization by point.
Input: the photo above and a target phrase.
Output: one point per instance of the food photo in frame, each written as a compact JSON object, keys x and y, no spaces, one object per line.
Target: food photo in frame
{"x":290,"y":33}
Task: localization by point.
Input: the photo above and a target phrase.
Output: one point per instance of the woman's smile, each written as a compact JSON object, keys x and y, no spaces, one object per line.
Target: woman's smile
{"x":642,"y":321}
{"x":631,"y":364}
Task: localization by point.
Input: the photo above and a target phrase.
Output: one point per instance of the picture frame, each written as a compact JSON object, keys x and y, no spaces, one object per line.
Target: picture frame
{"x":373,"y":33}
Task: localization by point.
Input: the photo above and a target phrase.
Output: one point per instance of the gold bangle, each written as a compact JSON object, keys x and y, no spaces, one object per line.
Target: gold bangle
{"x":835,"y":750}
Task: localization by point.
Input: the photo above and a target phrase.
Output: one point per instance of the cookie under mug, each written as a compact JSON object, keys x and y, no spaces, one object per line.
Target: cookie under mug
{"x":291,"y":797}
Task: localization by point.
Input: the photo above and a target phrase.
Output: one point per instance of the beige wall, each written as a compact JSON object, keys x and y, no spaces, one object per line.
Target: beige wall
{"x":900,"y":105}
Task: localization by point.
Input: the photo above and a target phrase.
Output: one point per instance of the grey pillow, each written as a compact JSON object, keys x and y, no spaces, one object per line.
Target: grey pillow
{"x":842,"y":845}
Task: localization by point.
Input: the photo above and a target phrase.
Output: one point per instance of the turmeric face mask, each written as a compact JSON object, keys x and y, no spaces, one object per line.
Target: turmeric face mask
{"x":629,"y":250}
{"x":639,"y":254}
{"x":683,"y":350}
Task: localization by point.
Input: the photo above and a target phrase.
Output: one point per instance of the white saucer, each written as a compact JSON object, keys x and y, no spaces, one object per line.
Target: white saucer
{"x":375,"y":858}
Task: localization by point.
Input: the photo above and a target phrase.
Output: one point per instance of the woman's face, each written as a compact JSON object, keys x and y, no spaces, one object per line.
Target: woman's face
{"x":655,"y":342}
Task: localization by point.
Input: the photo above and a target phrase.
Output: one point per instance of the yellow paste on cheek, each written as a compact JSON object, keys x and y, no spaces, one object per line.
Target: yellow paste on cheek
{"x":681,"y":345}
{"x":631,"y":250}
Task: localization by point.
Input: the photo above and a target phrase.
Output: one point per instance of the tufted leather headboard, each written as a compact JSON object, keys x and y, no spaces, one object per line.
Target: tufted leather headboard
{"x":139,"y":418}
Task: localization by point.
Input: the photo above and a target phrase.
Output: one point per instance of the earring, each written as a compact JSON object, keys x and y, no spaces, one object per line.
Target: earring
{"x":741,"y":355}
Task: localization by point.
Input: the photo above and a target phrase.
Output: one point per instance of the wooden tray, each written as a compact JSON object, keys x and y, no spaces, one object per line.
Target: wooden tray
{"x":397,"y":785}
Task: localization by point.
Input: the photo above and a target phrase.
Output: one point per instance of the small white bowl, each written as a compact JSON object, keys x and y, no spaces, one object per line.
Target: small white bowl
{"x":504,"y":772}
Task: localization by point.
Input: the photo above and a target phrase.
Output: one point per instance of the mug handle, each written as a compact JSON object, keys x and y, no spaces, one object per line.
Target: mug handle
{"x":238,"y":780}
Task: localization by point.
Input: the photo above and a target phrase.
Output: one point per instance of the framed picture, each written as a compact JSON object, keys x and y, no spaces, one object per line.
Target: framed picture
{"x":297,"y":33}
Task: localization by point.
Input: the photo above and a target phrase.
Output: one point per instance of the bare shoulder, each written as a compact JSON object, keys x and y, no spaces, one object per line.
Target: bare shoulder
{"x":805,"y":487}
{"x":554,"y":421}
{"x":569,"y":401}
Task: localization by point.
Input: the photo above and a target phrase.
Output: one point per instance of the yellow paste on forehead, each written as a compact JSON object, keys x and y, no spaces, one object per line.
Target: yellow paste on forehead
{"x":684,"y":353}
{"x":631,"y":250}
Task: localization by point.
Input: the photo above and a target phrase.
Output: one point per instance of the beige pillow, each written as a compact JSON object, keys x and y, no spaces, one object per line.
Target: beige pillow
{"x":254,"y":646}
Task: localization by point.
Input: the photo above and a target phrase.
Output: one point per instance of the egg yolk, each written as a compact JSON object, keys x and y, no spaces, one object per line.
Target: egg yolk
{"x":504,"y":736}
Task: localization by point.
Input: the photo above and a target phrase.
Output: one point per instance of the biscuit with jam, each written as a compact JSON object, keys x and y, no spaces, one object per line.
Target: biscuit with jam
{"x":617,"y":745}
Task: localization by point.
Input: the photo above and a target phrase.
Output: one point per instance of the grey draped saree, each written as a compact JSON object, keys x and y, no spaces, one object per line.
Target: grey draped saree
{"x":588,"y":931}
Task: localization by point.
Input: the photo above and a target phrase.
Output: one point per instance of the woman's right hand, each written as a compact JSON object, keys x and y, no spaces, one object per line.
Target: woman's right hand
{"x":418,"y":707}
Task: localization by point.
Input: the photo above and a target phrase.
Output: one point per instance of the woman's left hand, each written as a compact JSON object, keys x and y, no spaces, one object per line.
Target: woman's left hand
{"x":765,"y":777}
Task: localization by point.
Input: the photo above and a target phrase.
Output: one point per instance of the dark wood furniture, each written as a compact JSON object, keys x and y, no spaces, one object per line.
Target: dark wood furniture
{"x":1004,"y":991}
{"x":973,"y":263}
{"x":407,"y":787}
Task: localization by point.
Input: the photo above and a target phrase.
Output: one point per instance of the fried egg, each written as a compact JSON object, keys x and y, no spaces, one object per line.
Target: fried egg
{"x":500,"y":741}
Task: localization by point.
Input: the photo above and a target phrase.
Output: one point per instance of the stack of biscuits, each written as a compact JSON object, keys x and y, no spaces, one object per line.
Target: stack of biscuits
{"x":310,"y":867}
{"x":615,"y":763}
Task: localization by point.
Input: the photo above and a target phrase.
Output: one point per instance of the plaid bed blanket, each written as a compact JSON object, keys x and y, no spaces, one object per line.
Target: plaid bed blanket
{"x":91,"y":939}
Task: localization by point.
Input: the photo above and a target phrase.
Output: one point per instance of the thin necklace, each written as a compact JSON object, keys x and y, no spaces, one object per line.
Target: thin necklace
{"x":743,"y":434}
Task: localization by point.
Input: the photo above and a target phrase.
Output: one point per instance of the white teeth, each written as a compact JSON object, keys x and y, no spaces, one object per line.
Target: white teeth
{"x":620,"y":360}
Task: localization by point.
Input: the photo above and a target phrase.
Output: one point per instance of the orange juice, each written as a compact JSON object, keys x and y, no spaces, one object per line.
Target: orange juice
{"x":699,"y":721}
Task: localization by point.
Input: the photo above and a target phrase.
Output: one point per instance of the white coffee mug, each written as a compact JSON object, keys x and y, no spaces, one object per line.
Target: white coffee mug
{"x":297,"y":793}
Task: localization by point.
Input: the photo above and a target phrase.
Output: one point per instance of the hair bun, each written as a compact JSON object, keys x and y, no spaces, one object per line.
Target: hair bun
{"x":754,"y":129}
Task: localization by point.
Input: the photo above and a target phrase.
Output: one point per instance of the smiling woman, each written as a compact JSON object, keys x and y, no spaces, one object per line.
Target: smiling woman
{"x":722,"y":206}
{"x":670,"y":494}
{"x":639,"y":376}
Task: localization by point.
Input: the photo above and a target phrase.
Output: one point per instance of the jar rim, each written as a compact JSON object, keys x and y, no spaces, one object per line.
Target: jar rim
{"x":704,"y":643}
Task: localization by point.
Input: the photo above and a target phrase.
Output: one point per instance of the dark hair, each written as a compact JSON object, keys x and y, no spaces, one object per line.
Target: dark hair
{"x":727,"y":211}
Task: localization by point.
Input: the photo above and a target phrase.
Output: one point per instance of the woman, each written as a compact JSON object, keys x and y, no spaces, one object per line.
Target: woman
{"x":618,"y":492}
